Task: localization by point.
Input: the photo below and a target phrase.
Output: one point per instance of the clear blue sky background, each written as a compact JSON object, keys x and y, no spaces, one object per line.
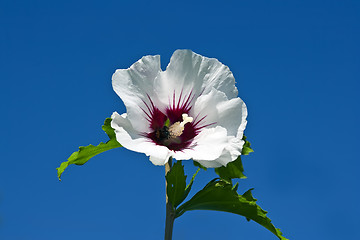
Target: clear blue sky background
{"x":297,"y":67}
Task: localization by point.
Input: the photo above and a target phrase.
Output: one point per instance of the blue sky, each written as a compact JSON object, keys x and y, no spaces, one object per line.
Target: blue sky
{"x":296,"y":64}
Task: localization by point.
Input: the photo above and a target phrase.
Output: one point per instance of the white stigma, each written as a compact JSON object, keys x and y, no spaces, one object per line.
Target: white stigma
{"x":186,"y":119}
{"x":177,"y":128}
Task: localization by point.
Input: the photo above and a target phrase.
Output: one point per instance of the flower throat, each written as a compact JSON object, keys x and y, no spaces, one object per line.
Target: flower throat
{"x":169,"y":134}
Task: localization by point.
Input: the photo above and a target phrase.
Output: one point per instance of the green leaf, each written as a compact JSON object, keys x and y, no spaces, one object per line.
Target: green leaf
{"x":176,"y":184}
{"x":248,"y":196}
{"x":246,"y":148}
{"x":85,"y":153}
{"x":219,"y":195}
{"x":232,"y":170}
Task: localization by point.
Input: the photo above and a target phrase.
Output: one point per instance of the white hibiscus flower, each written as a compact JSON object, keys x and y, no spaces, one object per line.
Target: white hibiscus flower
{"x":189,"y":111}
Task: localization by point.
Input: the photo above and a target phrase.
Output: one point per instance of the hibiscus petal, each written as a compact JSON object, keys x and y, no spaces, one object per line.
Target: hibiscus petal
{"x":209,"y":164}
{"x":135,"y":87}
{"x":218,"y":110}
{"x":129,"y":138}
{"x":209,"y":145}
{"x":231,"y":152}
{"x":191,"y":72}
{"x":159,"y":161}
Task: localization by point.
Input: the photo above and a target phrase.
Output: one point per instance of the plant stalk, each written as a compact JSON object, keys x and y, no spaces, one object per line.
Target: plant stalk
{"x":170,"y":211}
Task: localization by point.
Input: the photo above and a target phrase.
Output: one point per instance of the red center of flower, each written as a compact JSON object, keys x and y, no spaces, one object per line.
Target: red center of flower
{"x":173,"y":128}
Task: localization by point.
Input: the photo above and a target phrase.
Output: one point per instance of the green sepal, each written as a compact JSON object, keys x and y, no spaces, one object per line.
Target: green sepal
{"x":219,"y":195}
{"x":235,"y":187}
{"x":85,"y":153}
{"x":196,"y":164}
{"x":246,"y":148}
{"x":167,"y":122}
{"x":188,"y":187}
{"x":232,"y":170}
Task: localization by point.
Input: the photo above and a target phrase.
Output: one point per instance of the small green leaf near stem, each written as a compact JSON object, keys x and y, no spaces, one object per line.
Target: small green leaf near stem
{"x":232,"y":170}
{"x":176,"y":192}
{"x":170,"y":210}
{"x":86,"y":153}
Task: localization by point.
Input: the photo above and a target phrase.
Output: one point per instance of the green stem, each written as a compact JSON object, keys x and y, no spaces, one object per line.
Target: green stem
{"x":170,"y":211}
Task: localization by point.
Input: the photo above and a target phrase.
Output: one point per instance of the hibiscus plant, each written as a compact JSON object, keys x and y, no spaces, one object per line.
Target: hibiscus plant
{"x":191,"y":111}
